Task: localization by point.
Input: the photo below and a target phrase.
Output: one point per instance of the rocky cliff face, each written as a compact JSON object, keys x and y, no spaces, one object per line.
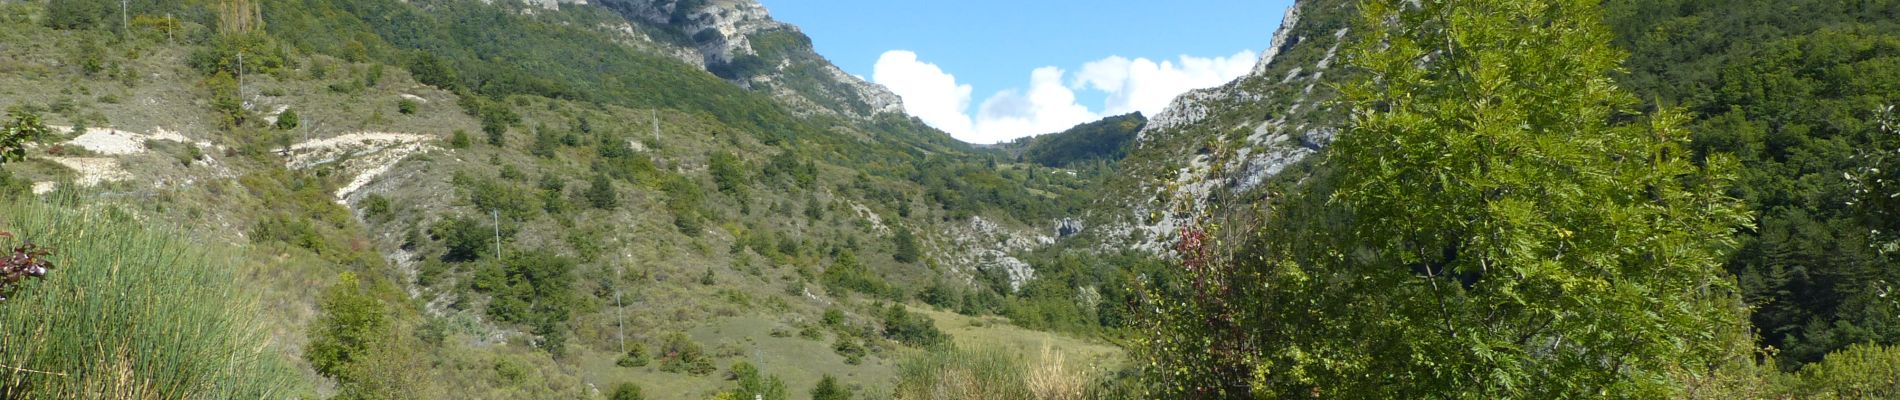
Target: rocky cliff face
{"x":738,"y":40}
{"x":1219,"y":147}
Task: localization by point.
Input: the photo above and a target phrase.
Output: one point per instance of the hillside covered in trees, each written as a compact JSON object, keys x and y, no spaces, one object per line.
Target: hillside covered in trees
{"x":382,"y":199}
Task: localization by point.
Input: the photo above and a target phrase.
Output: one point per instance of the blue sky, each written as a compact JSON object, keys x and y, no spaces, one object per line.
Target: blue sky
{"x":992,"y":70}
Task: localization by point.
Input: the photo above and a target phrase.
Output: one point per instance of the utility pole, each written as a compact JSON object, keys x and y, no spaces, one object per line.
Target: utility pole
{"x":497,"y":213}
{"x":656,"y":127}
{"x":620,"y":310}
{"x":125,"y":20}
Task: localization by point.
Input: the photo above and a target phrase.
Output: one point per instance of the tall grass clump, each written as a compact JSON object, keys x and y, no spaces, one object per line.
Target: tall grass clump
{"x":949,"y":373}
{"x":946,"y":372}
{"x":132,"y":312}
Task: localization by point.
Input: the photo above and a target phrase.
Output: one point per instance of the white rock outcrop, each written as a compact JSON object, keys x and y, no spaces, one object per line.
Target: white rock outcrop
{"x":722,"y":30}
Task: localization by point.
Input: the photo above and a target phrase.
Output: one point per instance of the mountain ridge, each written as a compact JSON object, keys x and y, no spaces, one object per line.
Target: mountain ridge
{"x":741,"y":42}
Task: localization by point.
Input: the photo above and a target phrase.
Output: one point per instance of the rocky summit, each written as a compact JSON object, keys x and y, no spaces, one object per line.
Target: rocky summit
{"x":682,"y":199}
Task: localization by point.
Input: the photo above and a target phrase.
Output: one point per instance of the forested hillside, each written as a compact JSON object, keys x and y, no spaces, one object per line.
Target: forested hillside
{"x":505,"y":200}
{"x":1797,"y":90}
{"x":680,"y":199}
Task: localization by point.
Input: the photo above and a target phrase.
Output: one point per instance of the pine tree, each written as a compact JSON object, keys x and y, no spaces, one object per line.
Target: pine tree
{"x":601,"y":194}
{"x":829,"y":389}
{"x":907,"y":251}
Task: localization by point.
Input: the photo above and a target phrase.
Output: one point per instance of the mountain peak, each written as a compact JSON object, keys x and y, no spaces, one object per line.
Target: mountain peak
{"x":738,"y":40}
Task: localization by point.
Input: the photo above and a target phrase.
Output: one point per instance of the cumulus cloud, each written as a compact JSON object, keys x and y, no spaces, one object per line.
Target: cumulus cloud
{"x":1148,"y":86}
{"x":1049,"y":104}
{"x":929,"y":93}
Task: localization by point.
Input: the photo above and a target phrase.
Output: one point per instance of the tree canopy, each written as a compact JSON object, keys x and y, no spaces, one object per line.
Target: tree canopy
{"x":1496,"y":221}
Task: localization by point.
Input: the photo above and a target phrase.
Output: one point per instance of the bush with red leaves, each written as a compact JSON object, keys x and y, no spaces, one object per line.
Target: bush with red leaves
{"x":26,"y":261}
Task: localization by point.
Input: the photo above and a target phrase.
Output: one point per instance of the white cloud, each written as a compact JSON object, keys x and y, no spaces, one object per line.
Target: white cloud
{"x":1148,"y":86}
{"x":1049,"y":104}
{"x":929,"y":93}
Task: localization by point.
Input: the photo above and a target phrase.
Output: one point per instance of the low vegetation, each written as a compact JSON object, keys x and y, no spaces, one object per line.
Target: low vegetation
{"x":950,"y":373}
{"x":135,"y":310}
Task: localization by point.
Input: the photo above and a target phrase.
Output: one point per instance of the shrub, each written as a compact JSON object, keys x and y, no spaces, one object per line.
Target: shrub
{"x":600,"y":193}
{"x":287,"y":120}
{"x":21,"y":127}
{"x":132,"y":303}
{"x":356,"y":342}
{"x":534,"y":288}
{"x":682,"y":354}
{"x":756,"y":385}
{"x":686,"y":200}
{"x":1860,"y":372}
{"x":433,"y":71}
{"x":850,"y":348}
{"x":77,"y":14}
{"x":910,"y":328}
{"x":546,"y":143}
{"x":907,"y":248}
{"x":406,"y":106}
{"x":846,"y":274}
{"x":377,"y":208}
{"x":636,"y":356}
{"x":728,"y":172}
{"x":351,"y":324}
{"x":829,"y":389}
{"x":459,"y":140}
{"x":627,"y":391}
{"x":465,"y":239}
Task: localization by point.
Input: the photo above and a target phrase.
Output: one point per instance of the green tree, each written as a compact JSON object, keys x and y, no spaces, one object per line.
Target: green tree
{"x":636,"y":356}
{"x":728,"y":172}
{"x":433,"y":71}
{"x":1857,"y":372}
{"x":79,"y":14}
{"x":681,"y":354}
{"x":465,"y":239}
{"x":907,"y":249}
{"x":1876,"y":180}
{"x":912,"y":329}
{"x":534,"y":288}
{"x":627,"y":391}
{"x":829,"y":389}
{"x":287,"y":120}
{"x":600,"y":193}
{"x":756,"y":385}
{"x":1495,"y":222}
{"x":20,"y":128}
{"x":356,"y":342}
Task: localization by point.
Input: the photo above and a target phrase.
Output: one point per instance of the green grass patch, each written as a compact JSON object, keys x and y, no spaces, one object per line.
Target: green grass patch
{"x":131,"y":311}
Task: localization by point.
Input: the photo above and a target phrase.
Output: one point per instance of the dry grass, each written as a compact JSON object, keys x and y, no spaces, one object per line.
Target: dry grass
{"x":990,"y":373}
{"x":1052,"y":379}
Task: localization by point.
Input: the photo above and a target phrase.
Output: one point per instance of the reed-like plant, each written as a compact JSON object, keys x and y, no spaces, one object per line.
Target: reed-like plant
{"x":133,"y":312}
{"x":949,"y":373}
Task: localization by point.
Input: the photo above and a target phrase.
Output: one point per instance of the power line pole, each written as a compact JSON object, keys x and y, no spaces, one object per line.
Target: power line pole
{"x":497,"y":213}
{"x":620,"y":309}
{"x":240,"y":78}
{"x":125,"y":20}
